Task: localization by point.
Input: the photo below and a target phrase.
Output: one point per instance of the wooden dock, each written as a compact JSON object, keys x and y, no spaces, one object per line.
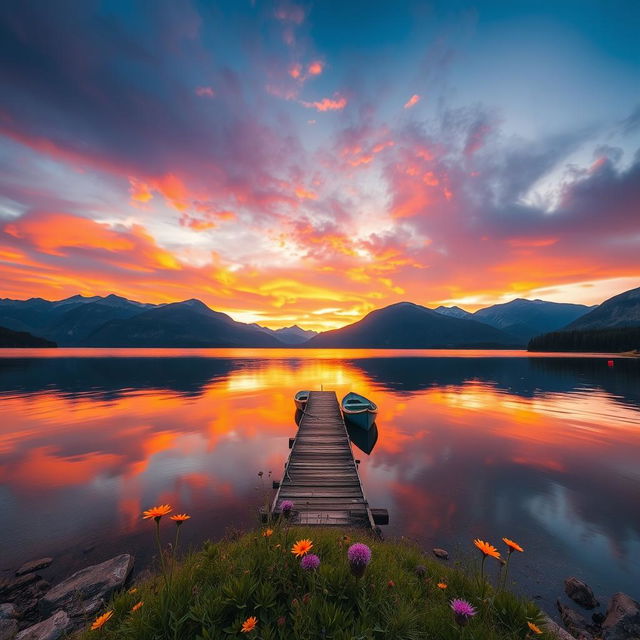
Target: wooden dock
{"x":321,"y":474}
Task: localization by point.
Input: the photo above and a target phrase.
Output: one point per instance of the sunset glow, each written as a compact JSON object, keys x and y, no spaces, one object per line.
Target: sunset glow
{"x":290,"y":162}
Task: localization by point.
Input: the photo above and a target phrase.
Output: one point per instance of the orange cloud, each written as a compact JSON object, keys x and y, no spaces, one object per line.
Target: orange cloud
{"x":327,"y":104}
{"x":412,"y":101}
{"x":315,"y":68}
{"x":295,"y":71}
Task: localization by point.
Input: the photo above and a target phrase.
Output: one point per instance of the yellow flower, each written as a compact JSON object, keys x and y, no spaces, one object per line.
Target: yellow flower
{"x":249,"y":624}
{"x":442,"y":585}
{"x":100,"y":620}
{"x":132,"y":590}
{"x":301,"y":548}
{"x":486,"y":548}
{"x":137,"y":606}
{"x":156,"y":512}
{"x":513,"y":546}
{"x":180,"y":518}
{"x":267,"y":533}
{"x":534,"y":628}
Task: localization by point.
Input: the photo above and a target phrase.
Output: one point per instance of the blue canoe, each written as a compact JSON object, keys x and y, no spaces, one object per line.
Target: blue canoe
{"x":359,"y":411}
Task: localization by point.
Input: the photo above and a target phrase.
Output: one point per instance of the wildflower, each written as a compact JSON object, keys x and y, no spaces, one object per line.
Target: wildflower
{"x":536,"y":629}
{"x":442,"y":585}
{"x":391,"y":584}
{"x":310,"y":562}
{"x":306,"y":598}
{"x":180,"y":518}
{"x":132,"y":590}
{"x":462,"y":611}
{"x":267,"y":533}
{"x":359,"y":556}
{"x":281,"y":621}
{"x":487,"y":549}
{"x":100,"y":620}
{"x":156,"y":512}
{"x":513,"y":546}
{"x":249,"y":624}
{"x":301,"y":548}
{"x":286,"y":506}
{"x":137,"y":606}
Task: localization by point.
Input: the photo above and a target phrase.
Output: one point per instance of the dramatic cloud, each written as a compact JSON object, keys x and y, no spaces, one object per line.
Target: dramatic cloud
{"x":177,"y":159}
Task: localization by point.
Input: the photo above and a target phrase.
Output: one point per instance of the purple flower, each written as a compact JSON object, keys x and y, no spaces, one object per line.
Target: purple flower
{"x":310,"y":562}
{"x":359,"y":556}
{"x":462,"y":611}
{"x":285,"y":507}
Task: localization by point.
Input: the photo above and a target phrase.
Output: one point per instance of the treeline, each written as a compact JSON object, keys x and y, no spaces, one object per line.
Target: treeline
{"x":19,"y":339}
{"x":599,"y":340}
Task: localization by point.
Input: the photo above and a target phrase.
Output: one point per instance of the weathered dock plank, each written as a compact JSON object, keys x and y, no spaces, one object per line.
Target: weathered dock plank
{"x":321,"y":475}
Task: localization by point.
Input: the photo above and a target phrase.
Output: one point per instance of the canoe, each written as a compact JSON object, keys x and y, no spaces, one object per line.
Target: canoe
{"x":359,"y":411}
{"x":301,"y":399}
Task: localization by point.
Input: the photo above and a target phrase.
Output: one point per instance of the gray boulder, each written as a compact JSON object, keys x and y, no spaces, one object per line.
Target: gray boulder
{"x":580,"y":592}
{"x":50,"y":629}
{"x":440,"y":553}
{"x":8,"y":628}
{"x":86,"y":591}
{"x":34,"y":565}
{"x":623,"y":619}
{"x":8,"y":610}
{"x":575,"y":623}
{"x":555,"y":629}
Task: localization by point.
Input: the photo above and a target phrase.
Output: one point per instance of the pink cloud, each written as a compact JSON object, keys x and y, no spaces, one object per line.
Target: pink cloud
{"x":413,"y":100}
{"x":316,"y":68}
{"x":327,"y":104}
{"x":205,"y":91}
{"x":295,"y":71}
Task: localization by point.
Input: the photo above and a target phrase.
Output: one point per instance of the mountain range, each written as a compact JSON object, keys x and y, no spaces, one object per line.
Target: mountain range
{"x":114,"y":321}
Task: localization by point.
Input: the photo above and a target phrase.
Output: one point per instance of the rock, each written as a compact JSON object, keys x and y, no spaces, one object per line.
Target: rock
{"x":8,"y":628}
{"x":10,"y":587}
{"x":580,"y":592}
{"x":555,"y":629}
{"x":623,"y":619}
{"x":598,"y":618}
{"x":85,"y":591}
{"x":8,"y":610}
{"x":50,"y":629}
{"x":34,"y":565}
{"x":440,"y":553}
{"x":575,"y":623}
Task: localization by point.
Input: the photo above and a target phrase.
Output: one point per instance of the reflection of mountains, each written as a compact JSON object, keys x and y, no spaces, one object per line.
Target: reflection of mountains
{"x":520,"y":376}
{"x":109,"y":377}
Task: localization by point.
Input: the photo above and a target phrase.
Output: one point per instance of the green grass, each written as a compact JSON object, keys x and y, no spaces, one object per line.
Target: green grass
{"x":212,"y":591}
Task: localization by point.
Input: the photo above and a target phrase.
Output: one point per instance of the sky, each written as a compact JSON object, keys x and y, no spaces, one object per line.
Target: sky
{"x":307,"y":162}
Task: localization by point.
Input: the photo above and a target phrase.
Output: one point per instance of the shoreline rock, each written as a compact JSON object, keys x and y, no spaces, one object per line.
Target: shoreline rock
{"x":580,"y":592}
{"x":84,"y":592}
{"x":34,"y":565}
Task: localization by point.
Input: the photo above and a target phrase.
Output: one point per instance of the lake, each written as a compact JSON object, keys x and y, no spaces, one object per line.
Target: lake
{"x":544,"y":450}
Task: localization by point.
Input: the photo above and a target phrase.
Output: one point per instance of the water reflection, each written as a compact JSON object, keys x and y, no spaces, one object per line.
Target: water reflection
{"x":543,"y":451}
{"x":364,"y":439}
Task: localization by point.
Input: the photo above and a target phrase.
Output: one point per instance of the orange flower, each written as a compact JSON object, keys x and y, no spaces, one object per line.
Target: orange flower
{"x":249,"y":624}
{"x":301,"y":548}
{"x":442,"y":585}
{"x":100,"y":620}
{"x":486,"y":548}
{"x":137,"y":606}
{"x":267,"y":533}
{"x":534,"y":628}
{"x":513,"y":546}
{"x":156,"y":512}
{"x":180,"y":518}
{"x":132,"y":590}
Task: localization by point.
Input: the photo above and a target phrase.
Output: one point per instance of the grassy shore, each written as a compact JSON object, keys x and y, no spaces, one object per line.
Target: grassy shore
{"x":403,"y":594}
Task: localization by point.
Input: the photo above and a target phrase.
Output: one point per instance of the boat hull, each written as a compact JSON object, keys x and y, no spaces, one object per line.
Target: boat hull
{"x":362,"y":419}
{"x":300,"y":399}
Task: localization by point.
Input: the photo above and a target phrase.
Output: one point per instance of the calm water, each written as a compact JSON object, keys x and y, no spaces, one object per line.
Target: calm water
{"x":471,"y":444}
